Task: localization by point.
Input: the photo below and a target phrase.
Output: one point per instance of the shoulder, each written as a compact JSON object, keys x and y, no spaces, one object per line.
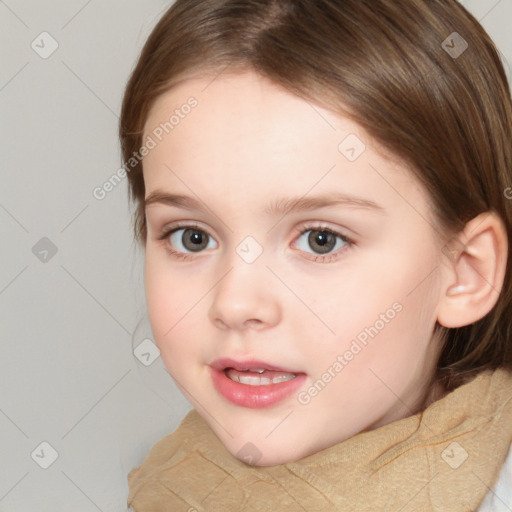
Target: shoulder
{"x":187,"y":462}
{"x":499,"y":498}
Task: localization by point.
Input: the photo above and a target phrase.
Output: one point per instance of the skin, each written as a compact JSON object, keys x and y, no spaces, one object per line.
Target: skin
{"x":248,"y":142}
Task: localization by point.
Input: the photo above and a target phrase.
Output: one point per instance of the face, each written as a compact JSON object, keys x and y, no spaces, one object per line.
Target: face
{"x":291,"y":268}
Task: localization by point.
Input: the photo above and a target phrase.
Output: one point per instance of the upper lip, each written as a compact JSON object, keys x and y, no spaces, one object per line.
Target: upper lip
{"x":248,"y":364}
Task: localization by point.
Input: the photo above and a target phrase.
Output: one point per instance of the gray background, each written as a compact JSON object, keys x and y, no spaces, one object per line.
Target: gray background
{"x":68,"y":375}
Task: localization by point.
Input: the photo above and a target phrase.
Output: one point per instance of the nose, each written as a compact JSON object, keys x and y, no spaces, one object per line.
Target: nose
{"x":245,"y":298}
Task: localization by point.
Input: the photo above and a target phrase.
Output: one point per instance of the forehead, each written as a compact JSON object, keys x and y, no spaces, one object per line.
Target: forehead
{"x":244,"y":131}
{"x":235,"y":112}
{"x":229,"y":102}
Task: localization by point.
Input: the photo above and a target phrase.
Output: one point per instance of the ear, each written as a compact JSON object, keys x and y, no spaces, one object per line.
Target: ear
{"x":474,"y":268}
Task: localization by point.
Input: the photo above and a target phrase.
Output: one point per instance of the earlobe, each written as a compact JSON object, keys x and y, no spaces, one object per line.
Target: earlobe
{"x":473,"y":271}
{"x":456,"y":290}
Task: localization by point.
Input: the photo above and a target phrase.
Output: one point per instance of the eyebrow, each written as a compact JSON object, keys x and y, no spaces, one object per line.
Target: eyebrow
{"x":280,"y":206}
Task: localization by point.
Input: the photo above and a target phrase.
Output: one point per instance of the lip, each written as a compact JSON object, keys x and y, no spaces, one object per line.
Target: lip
{"x":253,"y":397}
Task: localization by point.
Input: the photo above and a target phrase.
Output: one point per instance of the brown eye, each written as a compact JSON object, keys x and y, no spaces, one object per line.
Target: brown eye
{"x":321,"y":241}
{"x":194,"y":240}
{"x":190,"y":239}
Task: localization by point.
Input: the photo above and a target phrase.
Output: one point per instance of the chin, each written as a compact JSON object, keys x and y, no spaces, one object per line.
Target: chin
{"x":252,"y":455}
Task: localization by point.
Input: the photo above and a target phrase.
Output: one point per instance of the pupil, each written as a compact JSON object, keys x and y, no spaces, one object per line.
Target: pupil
{"x":321,"y":241}
{"x":194,"y":240}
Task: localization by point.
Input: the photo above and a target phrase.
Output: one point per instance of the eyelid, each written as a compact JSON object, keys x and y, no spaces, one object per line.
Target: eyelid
{"x":320,"y":226}
{"x":168,"y":229}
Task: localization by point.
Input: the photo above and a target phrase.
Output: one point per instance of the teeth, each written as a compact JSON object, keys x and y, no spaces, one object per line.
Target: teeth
{"x":257,"y":380}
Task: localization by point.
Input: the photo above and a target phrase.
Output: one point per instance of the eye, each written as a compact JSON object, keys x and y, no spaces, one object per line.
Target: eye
{"x":321,"y":240}
{"x":193,"y":240}
{"x":187,"y":239}
{"x":323,"y":243}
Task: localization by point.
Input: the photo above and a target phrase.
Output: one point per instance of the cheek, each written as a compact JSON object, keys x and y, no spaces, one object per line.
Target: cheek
{"x":168,"y":299}
{"x":352,"y":294}
{"x":159,"y":295}
{"x":403,"y":351}
{"x":176,"y":301}
{"x":385,"y":311}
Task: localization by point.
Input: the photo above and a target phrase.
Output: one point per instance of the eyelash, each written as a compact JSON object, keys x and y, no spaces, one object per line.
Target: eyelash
{"x":318,"y":258}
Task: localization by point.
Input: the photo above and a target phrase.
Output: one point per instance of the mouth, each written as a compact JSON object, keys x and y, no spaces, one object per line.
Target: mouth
{"x":258,"y":377}
{"x":253,"y":383}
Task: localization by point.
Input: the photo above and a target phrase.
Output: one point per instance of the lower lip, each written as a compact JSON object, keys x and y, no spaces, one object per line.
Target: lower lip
{"x":255,"y":397}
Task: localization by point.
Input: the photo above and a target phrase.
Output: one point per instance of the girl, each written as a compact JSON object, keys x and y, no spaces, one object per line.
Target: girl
{"x":323,"y":192}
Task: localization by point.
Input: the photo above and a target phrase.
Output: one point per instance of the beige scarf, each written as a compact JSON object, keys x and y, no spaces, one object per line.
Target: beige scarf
{"x":445,"y":458}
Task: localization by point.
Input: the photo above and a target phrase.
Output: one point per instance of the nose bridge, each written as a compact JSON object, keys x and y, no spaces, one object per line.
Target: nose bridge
{"x":243,"y":295}
{"x":247,"y":263}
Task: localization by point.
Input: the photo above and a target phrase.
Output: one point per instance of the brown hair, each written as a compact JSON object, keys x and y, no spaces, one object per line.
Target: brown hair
{"x":387,"y":65}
